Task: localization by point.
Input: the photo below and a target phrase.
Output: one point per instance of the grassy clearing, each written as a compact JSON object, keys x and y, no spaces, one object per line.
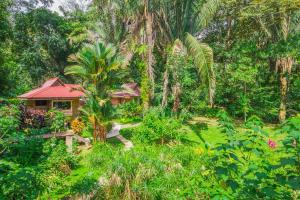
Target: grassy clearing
{"x":205,"y":131}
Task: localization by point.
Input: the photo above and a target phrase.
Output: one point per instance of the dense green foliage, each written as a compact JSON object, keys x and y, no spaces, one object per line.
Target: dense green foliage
{"x":157,"y":128}
{"x":218,"y":111}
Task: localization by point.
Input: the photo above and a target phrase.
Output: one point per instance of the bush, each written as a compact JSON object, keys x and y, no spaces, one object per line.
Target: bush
{"x":128,"y":110}
{"x":34,"y":166}
{"x":77,"y":125}
{"x":56,"y":120}
{"x":108,"y":126}
{"x":185,"y":115}
{"x":9,"y":119}
{"x":31,"y":118}
{"x":87,"y":132}
{"x":157,"y":128}
{"x":254,"y":121}
{"x":18,"y":182}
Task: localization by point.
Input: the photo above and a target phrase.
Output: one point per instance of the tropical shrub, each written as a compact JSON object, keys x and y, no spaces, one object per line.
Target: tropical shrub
{"x":291,"y":143}
{"x":9,"y":125}
{"x":128,"y":109}
{"x":254,"y":121}
{"x":77,"y":125}
{"x":18,"y":182}
{"x":55,"y":120}
{"x":157,"y":128}
{"x":38,"y":131}
{"x":32,"y":118}
{"x":34,"y":166}
{"x":9,"y":119}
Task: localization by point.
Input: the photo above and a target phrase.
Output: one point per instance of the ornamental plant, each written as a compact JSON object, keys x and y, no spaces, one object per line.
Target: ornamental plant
{"x":32,"y":118}
{"x":77,"y":125}
{"x":55,"y":120}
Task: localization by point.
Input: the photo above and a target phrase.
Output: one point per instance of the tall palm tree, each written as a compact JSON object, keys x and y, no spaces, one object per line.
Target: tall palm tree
{"x":157,"y":24}
{"x":203,"y":59}
{"x":183,"y":20}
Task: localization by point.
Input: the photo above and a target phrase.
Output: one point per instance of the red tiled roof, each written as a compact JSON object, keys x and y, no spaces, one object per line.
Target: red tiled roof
{"x":129,"y":90}
{"x":54,"y":89}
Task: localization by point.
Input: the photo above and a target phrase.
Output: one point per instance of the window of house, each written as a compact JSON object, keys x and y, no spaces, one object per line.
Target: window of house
{"x":62,"y":105}
{"x":41,"y":103}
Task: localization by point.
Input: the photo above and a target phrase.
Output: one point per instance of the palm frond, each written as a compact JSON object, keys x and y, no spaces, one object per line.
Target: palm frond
{"x":75,"y":70}
{"x":202,"y":54}
{"x":203,"y":59}
{"x":207,"y":12}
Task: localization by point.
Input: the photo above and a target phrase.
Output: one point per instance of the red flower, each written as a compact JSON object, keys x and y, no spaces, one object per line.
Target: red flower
{"x":272,"y":144}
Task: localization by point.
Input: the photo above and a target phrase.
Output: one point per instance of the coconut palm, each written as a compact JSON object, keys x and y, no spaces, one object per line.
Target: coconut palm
{"x":192,"y":18}
{"x":203,"y":59}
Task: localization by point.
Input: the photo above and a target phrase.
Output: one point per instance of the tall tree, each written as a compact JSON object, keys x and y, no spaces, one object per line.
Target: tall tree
{"x":274,"y":23}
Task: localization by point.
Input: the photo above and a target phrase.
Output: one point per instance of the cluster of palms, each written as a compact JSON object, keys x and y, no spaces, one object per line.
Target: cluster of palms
{"x":127,"y":25}
{"x":123,"y":27}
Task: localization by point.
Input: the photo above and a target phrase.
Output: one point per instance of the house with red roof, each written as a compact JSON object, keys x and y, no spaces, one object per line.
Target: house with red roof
{"x":54,"y":93}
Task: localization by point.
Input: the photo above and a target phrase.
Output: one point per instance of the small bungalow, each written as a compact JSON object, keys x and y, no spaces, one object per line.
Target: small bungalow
{"x":55,"y":94}
{"x":67,"y":97}
{"x":128,"y":92}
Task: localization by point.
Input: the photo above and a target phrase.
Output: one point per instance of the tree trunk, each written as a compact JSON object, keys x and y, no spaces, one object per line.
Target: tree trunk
{"x":165,"y":89}
{"x":95,"y":132}
{"x":150,"y":46}
{"x":284,"y":67}
{"x":228,"y":34}
{"x":212,"y":88}
{"x":102,"y":133}
{"x":176,"y":94}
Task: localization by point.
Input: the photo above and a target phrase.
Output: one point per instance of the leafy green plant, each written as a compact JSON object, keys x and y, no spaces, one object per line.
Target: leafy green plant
{"x":56,"y":120}
{"x":9,"y":124}
{"x":128,"y":110}
{"x":157,"y":128}
{"x":291,"y":164}
{"x":226,"y":123}
{"x":254,"y":121}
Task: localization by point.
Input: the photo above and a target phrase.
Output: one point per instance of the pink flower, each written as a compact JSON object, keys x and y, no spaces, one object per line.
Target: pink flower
{"x":272,"y":144}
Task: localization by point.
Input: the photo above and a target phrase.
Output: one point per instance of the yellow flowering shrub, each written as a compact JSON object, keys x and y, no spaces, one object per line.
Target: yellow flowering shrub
{"x":77,"y":125}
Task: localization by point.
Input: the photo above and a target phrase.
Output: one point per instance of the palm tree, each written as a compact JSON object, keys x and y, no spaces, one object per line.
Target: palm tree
{"x":95,"y":64}
{"x":96,"y":110}
{"x":174,"y":20}
{"x":273,"y":21}
{"x":183,"y":19}
{"x":203,"y":59}
{"x":157,"y":24}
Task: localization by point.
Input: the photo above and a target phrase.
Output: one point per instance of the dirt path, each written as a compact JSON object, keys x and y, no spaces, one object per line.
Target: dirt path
{"x":115,"y":132}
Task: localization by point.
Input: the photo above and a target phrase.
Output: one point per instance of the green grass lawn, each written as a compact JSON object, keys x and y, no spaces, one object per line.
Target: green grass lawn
{"x":202,"y":130}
